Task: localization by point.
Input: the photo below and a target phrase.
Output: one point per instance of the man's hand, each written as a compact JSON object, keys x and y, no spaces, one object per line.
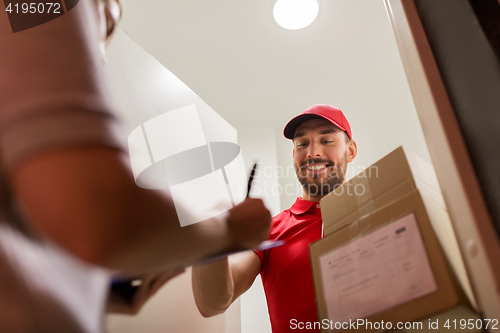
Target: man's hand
{"x":149,"y":285}
{"x":248,"y":223}
{"x":217,"y":284}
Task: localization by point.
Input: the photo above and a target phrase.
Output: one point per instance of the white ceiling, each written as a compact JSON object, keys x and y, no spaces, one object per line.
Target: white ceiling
{"x":254,"y":73}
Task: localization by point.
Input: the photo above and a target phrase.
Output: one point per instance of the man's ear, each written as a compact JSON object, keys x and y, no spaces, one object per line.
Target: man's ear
{"x":352,"y":150}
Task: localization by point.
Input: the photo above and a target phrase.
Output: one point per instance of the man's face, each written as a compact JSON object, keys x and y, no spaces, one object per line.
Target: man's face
{"x":320,"y":156}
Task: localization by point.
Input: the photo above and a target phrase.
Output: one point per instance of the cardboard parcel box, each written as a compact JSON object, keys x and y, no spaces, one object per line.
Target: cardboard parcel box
{"x":389,"y":252}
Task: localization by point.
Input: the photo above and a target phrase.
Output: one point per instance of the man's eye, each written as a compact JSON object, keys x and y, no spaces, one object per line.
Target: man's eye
{"x":300,"y":145}
{"x":327,"y":141}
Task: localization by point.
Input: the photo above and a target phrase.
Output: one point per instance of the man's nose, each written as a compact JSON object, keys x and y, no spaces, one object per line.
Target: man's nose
{"x":314,"y":151}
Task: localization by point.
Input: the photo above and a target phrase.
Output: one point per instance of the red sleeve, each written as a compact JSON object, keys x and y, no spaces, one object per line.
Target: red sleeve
{"x":261,"y":256}
{"x":273,"y":235}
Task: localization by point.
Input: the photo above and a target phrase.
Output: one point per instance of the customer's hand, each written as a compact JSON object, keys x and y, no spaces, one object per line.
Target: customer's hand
{"x":148,"y":286}
{"x":249,"y":223}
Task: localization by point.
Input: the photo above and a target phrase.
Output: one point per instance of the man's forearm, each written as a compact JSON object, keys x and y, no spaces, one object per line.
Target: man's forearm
{"x":213,"y":287}
{"x":217,"y":285}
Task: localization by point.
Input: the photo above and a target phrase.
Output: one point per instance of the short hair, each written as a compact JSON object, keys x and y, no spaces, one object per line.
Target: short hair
{"x":347,"y":138}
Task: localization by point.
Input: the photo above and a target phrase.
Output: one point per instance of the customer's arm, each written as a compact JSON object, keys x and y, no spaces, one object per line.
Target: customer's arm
{"x":217,"y":285}
{"x":86,"y":200}
{"x":131,"y":299}
{"x":66,"y":167}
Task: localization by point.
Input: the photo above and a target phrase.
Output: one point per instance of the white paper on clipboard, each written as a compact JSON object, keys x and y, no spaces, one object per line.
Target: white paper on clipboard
{"x":381,"y":270}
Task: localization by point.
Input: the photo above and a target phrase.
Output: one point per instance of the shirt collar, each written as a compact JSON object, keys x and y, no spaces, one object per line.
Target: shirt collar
{"x":301,"y":206}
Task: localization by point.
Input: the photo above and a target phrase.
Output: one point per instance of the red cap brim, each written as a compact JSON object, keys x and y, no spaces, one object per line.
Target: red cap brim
{"x":292,"y":125}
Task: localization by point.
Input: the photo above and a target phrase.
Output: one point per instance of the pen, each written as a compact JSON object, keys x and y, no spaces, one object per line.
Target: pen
{"x":250,"y":179}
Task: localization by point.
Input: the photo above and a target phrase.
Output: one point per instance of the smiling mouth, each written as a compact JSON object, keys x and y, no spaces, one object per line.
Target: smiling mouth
{"x":316,"y":167}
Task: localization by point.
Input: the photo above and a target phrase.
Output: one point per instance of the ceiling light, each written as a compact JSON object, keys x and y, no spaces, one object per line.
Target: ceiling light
{"x":295,"y":14}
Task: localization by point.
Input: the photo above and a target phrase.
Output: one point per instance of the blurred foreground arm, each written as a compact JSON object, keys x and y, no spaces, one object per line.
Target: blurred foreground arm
{"x":87,"y":201}
{"x":149,"y":285}
{"x":65,"y":165}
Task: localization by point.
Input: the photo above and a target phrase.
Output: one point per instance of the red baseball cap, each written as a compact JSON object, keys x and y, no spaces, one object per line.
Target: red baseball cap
{"x":328,"y":112}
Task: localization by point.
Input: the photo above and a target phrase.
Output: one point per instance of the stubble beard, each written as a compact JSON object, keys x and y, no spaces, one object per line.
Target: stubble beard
{"x":319,"y":185}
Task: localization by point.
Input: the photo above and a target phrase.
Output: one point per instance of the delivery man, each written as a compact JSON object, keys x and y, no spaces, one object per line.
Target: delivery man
{"x":323,"y":147}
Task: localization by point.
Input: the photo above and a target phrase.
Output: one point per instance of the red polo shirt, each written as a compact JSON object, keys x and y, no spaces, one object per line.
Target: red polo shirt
{"x":286,"y":270}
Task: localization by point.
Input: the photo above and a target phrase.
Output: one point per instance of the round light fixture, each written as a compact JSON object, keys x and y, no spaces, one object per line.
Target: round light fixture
{"x":295,"y":14}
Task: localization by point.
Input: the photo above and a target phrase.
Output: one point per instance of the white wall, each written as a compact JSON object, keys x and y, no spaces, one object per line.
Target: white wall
{"x":258,"y":145}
